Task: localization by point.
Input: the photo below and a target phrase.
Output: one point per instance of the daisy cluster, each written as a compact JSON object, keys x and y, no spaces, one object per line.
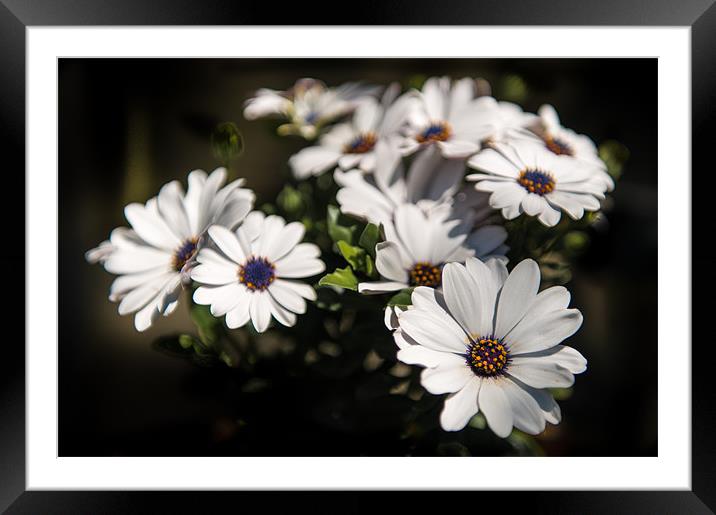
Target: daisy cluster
{"x":426,"y":185}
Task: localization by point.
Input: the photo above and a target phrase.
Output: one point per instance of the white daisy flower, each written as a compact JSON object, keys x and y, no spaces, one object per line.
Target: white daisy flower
{"x":493,"y":343}
{"x":445,"y":116}
{"x":308,"y":105}
{"x":524,"y":177}
{"x":252,"y":275}
{"x":352,"y":145}
{"x":429,"y":182}
{"x":501,"y":118}
{"x":153,"y":258}
{"x":418,"y":244}
{"x":565,"y":142}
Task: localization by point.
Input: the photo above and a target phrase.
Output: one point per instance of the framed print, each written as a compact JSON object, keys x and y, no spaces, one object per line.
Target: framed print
{"x":369,"y":257}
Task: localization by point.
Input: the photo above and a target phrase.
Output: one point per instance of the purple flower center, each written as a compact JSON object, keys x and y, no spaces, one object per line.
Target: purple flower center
{"x":257,"y":273}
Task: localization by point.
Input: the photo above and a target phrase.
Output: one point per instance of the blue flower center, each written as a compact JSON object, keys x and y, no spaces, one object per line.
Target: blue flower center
{"x":436,"y":131}
{"x":184,"y":253}
{"x":311,"y":117}
{"x":361,"y":144}
{"x":487,"y":356}
{"x":536,"y":181}
{"x":257,"y":273}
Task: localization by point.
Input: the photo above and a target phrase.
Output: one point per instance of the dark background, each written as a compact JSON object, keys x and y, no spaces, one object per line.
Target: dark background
{"x":128,"y":126}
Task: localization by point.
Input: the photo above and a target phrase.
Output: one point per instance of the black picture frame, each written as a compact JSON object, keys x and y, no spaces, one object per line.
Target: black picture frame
{"x":16,"y":15}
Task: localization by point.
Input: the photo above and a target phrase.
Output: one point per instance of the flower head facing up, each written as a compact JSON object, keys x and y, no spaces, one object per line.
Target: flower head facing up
{"x":445,"y":114}
{"x":431,"y":182}
{"x":308,"y":105}
{"x":562,"y":141}
{"x":523,"y":177}
{"x":492,"y":342}
{"x":251,"y":275}
{"x":418,"y":244}
{"x":353,"y":144}
{"x":153,"y":258}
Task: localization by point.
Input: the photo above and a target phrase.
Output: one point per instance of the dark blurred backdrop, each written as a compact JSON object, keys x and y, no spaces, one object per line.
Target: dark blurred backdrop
{"x":127,"y":126}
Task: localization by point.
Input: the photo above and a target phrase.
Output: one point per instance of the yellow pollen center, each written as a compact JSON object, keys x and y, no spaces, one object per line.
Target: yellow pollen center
{"x":425,"y":274}
{"x":536,"y":181}
{"x":486,"y":356}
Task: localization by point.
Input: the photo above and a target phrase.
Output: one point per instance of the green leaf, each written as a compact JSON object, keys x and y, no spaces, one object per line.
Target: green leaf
{"x":226,"y":142}
{"x":369,"y":238}
{"x":401,"y":299}
{"x":354,"y":255}
{"x":342,"y":277}
{"x":370,"y":269}
{"x":339,"y":229}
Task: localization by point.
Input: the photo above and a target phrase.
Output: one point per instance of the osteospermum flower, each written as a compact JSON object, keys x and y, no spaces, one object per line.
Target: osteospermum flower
{"x":501,"y":118}
{"x":353,"y":144}
{"x":445,"y":116}
{"x":526,"y":178}
{"x":430,"y":181}
{"x":565,"y":142}
{"x":493,"y":343}
{"x":308,"y":105}
{"x":417,"y":245}
{"x":153,"y":258}
{"x":252,"y":277}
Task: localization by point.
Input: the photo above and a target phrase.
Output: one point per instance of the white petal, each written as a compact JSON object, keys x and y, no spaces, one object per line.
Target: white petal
{"x":304,"y":290}
{"x":527,"y":414}
{"x":461,"y":298}
{"x":214,"y":274}
{"x":460,"y":407}
{"x":419,"y":355}
{"x":493,"y":162}
{"x":448,"y":377}
{"x":538,"y":333}
{"x":380,"y":286}
{"x":228,"y":243}
{"x":496,"y":407}
{"x":313,"y":161}
{"x":151,"y":227}
{"x":137,"y":259}
{"x":260,"y":310}
{"x":389,"y":262}
{"x":290,"y":268}
{"x":550,"y":216}
{"x":551,"y":299}
{"x":410,"y":223}
{"x":562,"y":356}
{"x":517,"y":295}
{"x":433,"y":330}
{"x":287,"y":297}
{"x":506,"y":194}
{"x":280,"y":313}
{"x":540,"y":372}
{"x":457,"y":149}
{"x":139,"y":297}
{"x":239,"y":316}
{"x":533,"y":204}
